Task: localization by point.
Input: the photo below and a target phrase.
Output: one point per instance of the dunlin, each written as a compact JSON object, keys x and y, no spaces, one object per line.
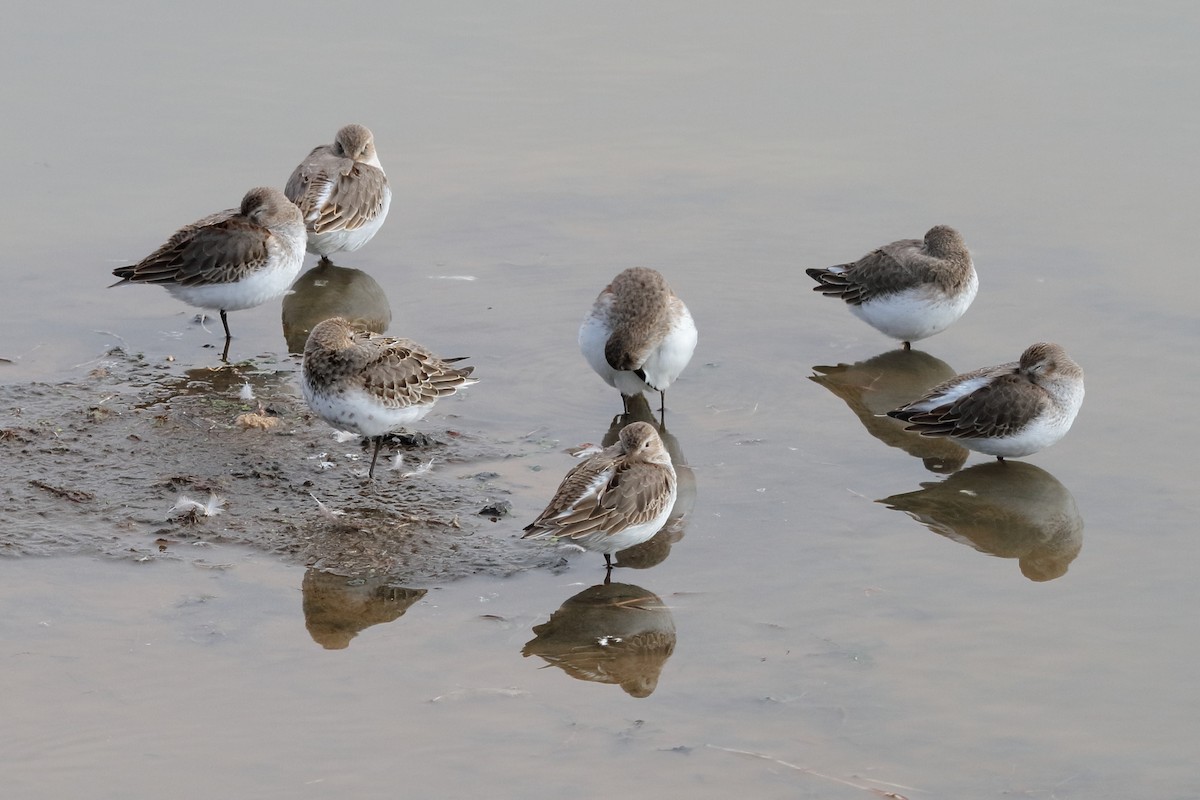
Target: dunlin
{"x":655,"y":550}
{"x":342,"y":192}
{"x":638,"y":335}
{"x":910,"y":289}
{"x":1013,"y":409}
{"x":373,"y":385}
{"x":616,"y":498}
{"x":231,"y":260}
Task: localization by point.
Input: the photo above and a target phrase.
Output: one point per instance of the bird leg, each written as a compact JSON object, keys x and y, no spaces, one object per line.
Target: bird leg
{"x":228,"y":337}
{"x":374,"y":456}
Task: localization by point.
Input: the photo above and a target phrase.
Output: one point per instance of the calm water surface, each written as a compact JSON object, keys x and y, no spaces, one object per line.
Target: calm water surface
{"x":825,"y":645}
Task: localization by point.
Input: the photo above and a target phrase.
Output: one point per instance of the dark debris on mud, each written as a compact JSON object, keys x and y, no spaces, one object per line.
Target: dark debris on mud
{"x":134,"y":460}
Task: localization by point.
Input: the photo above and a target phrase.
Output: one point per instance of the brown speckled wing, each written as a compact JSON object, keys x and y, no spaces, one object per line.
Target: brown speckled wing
{"x":336,"y":193}
{"x":357,"y":200}
{"x":603,"y":493}
{"x":578,"y":499}
{"x":643,"y":494}
{"x":406,"y":374}
{"x":998,"y":409}
{"x":221,"y":248}
{"x":881,"y":272}
{"x":311,"y":180}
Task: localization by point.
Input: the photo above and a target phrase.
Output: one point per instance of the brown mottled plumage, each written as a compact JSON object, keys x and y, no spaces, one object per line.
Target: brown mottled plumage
{"x":616,"y":498}
{"x":342,"y":192}
{"x":231,"y":260}
{"x":1012,"y":409}
{"x":642,"y":318}
{"x":908,"y":289}
{"x":638,"y":335}
{"x":373,"y":385}
{"x":897,"y":266}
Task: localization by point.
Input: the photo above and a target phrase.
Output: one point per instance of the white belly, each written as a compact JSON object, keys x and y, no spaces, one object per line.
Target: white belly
{"x":1034,"y":437}
{"x":251,"y":291}
{"x":356,"y":411}
{"x":916,"y":313}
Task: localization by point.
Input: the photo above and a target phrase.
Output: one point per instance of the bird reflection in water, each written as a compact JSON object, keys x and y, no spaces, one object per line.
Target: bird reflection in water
{"x":328,"y":291}
{"x":610,"y":633}
{"x":889,"y":380}
{"x":656,"y":549}
{"x":246,"y":380}
{"x":336,"y":608}
{"x":1008,"y":509}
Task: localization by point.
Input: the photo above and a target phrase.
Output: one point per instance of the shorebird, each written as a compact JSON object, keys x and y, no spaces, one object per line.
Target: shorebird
{"x":342,"y":192}
{"x":373,"y":385}
{"x":234,"y":259}
{"x":910,"y":289}
{"x":638,"y":334}
{"x":1010,"y":410}
{"x":614,"y":499}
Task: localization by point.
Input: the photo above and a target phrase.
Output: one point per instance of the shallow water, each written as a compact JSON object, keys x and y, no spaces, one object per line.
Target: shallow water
{"x":825,"y":644}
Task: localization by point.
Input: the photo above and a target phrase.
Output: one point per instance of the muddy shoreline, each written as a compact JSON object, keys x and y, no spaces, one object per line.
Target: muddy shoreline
{"x":106,"y":464}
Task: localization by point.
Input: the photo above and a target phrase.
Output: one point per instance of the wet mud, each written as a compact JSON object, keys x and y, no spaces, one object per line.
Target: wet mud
{"x":145,"y":461}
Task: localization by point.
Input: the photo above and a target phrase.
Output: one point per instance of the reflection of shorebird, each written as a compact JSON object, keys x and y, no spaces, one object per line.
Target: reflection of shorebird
{"x":910,"y":289}
{"x":341,"y":191}
{"x":1011,"y":510}
{"x":611,"y":633}
{"x":638,"y":335}
{"x":337,"y":608}
{"x":656,"y":549}
{"x":373,"y":385}
{"x":328,"y":290}
{"x":614,"y":499}
{"x":873,"y":387}
{"x":235,"y":259}
{"x":1013,"y":409}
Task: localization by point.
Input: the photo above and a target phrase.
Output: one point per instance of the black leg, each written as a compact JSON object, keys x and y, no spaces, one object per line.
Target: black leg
{"x":228,"y":337}
{"x":375,"y":455}
{"x":908,"y":345}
